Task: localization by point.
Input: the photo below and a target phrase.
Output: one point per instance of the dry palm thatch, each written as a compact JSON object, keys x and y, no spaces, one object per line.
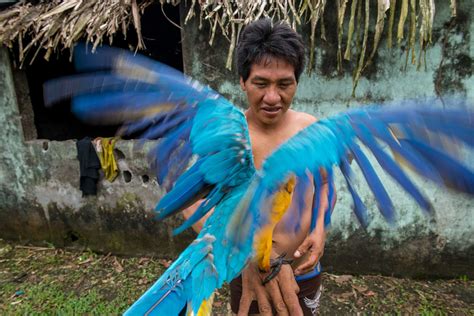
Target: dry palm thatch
{"x":60,"y":23}
{"x":229,"y":16}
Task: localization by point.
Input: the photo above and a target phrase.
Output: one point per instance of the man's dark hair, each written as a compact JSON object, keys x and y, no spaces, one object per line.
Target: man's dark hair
{"x":262,"y":39}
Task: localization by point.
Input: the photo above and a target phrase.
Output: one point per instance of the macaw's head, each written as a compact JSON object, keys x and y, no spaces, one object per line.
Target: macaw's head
{"x":270,"y":60}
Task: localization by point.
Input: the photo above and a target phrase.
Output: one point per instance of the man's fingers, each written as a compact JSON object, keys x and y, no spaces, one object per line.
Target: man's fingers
{"x":264,"y":306}
{"x":276,"y":297}
{"x":244,"y":306}
{"x":303,"y":248}
{"x":248,"y":293}
{"x":303,"y":272}
{"x":290,"y":288}
{"x":308,"y":264}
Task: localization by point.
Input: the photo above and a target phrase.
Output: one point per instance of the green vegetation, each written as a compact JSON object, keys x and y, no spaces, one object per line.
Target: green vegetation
{"x":51,"y":299}
{"x":49,"y":281}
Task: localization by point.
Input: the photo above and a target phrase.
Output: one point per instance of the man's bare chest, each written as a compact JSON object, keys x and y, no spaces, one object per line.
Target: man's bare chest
{"x":264,"y":145}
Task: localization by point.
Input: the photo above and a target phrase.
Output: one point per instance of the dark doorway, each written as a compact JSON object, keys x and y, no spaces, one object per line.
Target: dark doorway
{"x":163,"y":43}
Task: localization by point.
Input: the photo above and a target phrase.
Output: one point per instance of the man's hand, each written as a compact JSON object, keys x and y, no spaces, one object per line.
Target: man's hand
{"x":311,"y":251}
{"x":280,"y":292}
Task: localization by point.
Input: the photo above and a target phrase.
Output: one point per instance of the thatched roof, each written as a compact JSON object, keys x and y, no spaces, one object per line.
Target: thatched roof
{"x":58,"y":24}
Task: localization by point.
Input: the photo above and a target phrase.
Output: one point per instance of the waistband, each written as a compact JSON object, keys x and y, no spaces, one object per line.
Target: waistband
{"x":317,"y":271}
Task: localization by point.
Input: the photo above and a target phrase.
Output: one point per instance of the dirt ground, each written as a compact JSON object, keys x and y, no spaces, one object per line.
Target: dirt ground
{"x":46,"y":280}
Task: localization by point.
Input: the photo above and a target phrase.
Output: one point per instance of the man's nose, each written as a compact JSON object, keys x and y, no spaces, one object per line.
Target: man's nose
{"x":272,"y":96}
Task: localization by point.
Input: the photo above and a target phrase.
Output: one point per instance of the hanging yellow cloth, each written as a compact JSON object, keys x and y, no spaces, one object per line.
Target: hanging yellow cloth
{"x":107,"y":158}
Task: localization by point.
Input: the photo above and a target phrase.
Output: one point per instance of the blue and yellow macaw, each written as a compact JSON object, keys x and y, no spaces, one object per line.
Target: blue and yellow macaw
{"x":191,"y":120}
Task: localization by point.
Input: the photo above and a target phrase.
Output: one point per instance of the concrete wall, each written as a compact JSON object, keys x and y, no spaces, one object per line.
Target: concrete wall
{"x":39,"y":179}
{"x":40,"y":198}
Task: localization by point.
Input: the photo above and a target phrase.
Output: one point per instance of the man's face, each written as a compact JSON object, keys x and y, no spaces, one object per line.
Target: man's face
{"x":270,"y":89}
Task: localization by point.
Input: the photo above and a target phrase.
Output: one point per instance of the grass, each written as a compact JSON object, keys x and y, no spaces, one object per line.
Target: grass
{"x":47,"y":299}
{"x":49,"y":281}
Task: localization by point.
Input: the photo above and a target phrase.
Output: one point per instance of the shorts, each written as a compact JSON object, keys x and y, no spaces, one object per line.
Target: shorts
{"x":309,"y":295}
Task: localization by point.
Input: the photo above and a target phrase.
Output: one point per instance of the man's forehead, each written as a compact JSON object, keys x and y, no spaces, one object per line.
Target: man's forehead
{"x":270,"y":65}
{"x":271,"y":61}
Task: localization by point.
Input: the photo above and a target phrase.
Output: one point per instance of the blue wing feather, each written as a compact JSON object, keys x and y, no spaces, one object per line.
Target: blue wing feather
{"x":214,"y":197}
{"x":387,"y":163}
{"x":454,"y":174}
{"x":331,"y":197}
{"x":359,"y":207}
{"x":318,"y":183}
{"x":109,"y":58}
{"x":179,"y":196}
{"x":418,"y":162}
{"x":384,"y":202}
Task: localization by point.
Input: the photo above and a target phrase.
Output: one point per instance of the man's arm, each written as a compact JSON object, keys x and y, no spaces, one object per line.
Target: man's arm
{"x":312,"y":248}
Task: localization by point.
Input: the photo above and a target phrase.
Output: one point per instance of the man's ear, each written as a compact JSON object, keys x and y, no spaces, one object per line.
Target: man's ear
{"x":242,"y":84}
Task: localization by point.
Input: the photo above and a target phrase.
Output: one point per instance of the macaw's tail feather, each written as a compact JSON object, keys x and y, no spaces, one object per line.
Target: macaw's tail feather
{"x":169,"y":300}
{"x":206,"y":307}
{"x":182,"y":284}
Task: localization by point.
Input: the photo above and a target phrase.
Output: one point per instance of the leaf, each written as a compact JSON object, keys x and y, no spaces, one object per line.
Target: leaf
{"x":370,"y":294}
{"x":344,"y":297}
{"x":359,"y":288}
{"x":343,"y":279}
{"x":117,"y":266}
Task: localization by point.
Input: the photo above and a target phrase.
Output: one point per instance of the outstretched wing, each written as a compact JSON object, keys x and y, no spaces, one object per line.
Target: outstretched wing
{"x":154,"y":101}
{"x":421,"y":136}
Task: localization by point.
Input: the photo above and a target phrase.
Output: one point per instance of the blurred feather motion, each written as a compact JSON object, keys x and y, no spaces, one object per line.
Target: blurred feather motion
{"x":190,"y":120}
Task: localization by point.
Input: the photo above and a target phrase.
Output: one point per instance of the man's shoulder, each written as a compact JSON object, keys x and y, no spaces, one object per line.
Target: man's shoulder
{"x":303,"y":119}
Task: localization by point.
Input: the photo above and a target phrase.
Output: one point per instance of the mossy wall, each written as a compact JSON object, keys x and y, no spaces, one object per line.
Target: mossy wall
{"x":40,"y":198}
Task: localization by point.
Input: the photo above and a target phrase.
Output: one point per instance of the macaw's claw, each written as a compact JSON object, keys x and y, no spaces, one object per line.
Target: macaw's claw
{"x":275,"y":267}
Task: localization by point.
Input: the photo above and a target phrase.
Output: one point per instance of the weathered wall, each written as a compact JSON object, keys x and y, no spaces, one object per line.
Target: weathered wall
{"x":40,"y":199}
{"x":441,"y":245}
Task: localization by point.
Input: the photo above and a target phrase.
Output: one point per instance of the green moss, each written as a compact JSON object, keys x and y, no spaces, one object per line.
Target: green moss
{"x":129,"y":199}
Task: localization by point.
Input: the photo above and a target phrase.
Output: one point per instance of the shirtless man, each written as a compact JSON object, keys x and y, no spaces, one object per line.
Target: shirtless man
{"x":270,"y":60}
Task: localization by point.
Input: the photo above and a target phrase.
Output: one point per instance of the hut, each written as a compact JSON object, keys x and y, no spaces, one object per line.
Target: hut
{"x":359,"y":52}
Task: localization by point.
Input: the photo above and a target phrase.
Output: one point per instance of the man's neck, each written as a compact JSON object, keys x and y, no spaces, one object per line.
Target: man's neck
{"x":263,"y":128}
